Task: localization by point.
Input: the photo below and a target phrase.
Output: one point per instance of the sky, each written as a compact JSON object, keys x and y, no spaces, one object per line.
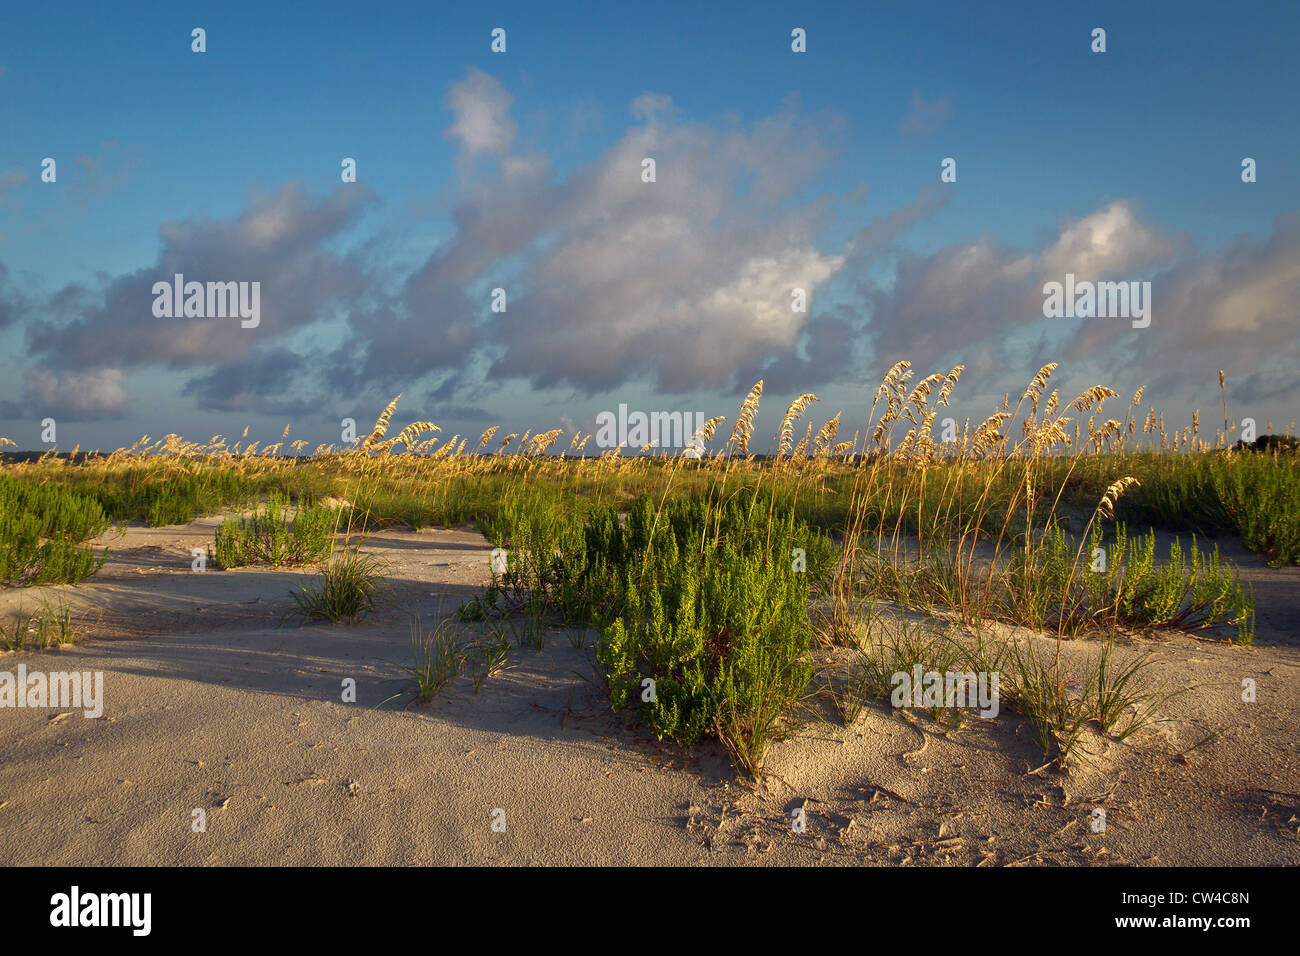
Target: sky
{"x":525,"y":171}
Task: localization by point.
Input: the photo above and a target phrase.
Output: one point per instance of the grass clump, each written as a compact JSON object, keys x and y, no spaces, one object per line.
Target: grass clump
{"x":52,"y":627}
{"x":272,"y":537}
{"x":347,"y":589}
{"x":438,"y":658}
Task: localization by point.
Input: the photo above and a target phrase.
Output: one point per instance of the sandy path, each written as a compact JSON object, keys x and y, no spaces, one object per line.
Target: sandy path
{"x":215,"y":701}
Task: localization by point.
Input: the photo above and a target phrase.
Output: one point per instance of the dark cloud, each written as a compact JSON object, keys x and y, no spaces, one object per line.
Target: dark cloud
{"x":13,"y":304}
{"x":279,"y":240}
{"x":272,"y":381}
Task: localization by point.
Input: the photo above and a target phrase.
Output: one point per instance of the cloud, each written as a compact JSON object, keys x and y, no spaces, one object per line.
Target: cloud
{"x":924,"y":117}
{"x":677,"y":282}
{"x":12,"y":303}
{"x":683,"y":284}
{"x":278,"y":240}
{"x":1233,"y":309}
{"x":966,"y":298}
{"x":75,"y":396}
{"x":482,"y":109}
{"x":680,"y":286}
{"x":271,"y":380}
{"x":1107,"y":242}
{"x":977,"y":302}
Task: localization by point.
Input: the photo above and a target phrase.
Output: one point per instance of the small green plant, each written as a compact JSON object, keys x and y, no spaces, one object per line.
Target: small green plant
{"x":437,"y":658}
{"x":488,"y":657}
{"x":1039,"y":690}
{"x":1119,"y":707}
{"x":895,"y":646}
{"x":348,"y":588}
{"x":50,"y":628}
{"x":481,"y":605}
{"x":851,"y":696}
{"x":528,"y":628}
{"x":273,"y":537}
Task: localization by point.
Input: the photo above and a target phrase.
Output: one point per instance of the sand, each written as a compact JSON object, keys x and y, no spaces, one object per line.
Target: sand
{"x":218,"y":699}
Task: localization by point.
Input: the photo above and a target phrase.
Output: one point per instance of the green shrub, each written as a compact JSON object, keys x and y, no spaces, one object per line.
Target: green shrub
{"x":704,"y":600}
{"x":708,"y":600}
{"x":272,"y":537}
{"x":43,"y":534}
{"x":1261,"y":493}
{"x":1123,"y":584}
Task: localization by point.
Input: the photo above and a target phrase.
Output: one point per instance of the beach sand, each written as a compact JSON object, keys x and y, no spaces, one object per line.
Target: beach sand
{"x":218,"y":699}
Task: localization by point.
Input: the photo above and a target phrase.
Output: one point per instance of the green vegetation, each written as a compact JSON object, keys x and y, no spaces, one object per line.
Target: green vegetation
{"x":44,"y":530}
{"x":52,"y":627}
{"x":701,"y":605}
{"x":1054,"y":583}
{"x":438,"y":659}
{"x":714,"y":582}
{"x":272,"y":537}
{"x":1261,"y":496}
{"x":347,"y":589}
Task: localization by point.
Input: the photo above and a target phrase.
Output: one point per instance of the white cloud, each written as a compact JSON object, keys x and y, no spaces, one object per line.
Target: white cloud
{"x":78,"y":396}
{"x":482,"y":107}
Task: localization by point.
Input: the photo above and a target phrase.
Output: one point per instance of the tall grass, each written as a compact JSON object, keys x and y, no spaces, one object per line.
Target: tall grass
{"x":684,"y":565}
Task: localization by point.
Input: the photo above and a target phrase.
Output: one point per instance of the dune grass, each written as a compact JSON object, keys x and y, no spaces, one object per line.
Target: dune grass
{"x":714,"y":576}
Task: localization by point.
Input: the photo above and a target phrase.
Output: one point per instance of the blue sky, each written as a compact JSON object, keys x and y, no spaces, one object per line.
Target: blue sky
{"x":775,"y":169}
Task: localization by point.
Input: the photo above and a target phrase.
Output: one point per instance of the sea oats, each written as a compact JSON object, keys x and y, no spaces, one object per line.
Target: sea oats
{"x":704,"y":434}
{"x":1039,"y":382}
{"x":1113,"y":493}
{"x":744,"y":427}
{"x":826,"y":436}
{"x":792,"y":413}
{"x":949,"y":383}
{"x":381,"y":425}
{"x":412,"y":431}
{"x":1092,"y":396}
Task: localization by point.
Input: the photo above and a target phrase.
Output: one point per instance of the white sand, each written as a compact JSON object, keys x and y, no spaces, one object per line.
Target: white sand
{"x":213,"y":703}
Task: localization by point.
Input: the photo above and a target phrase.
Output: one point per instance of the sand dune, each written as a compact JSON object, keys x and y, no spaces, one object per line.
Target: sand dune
{"x":216,"y":700}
